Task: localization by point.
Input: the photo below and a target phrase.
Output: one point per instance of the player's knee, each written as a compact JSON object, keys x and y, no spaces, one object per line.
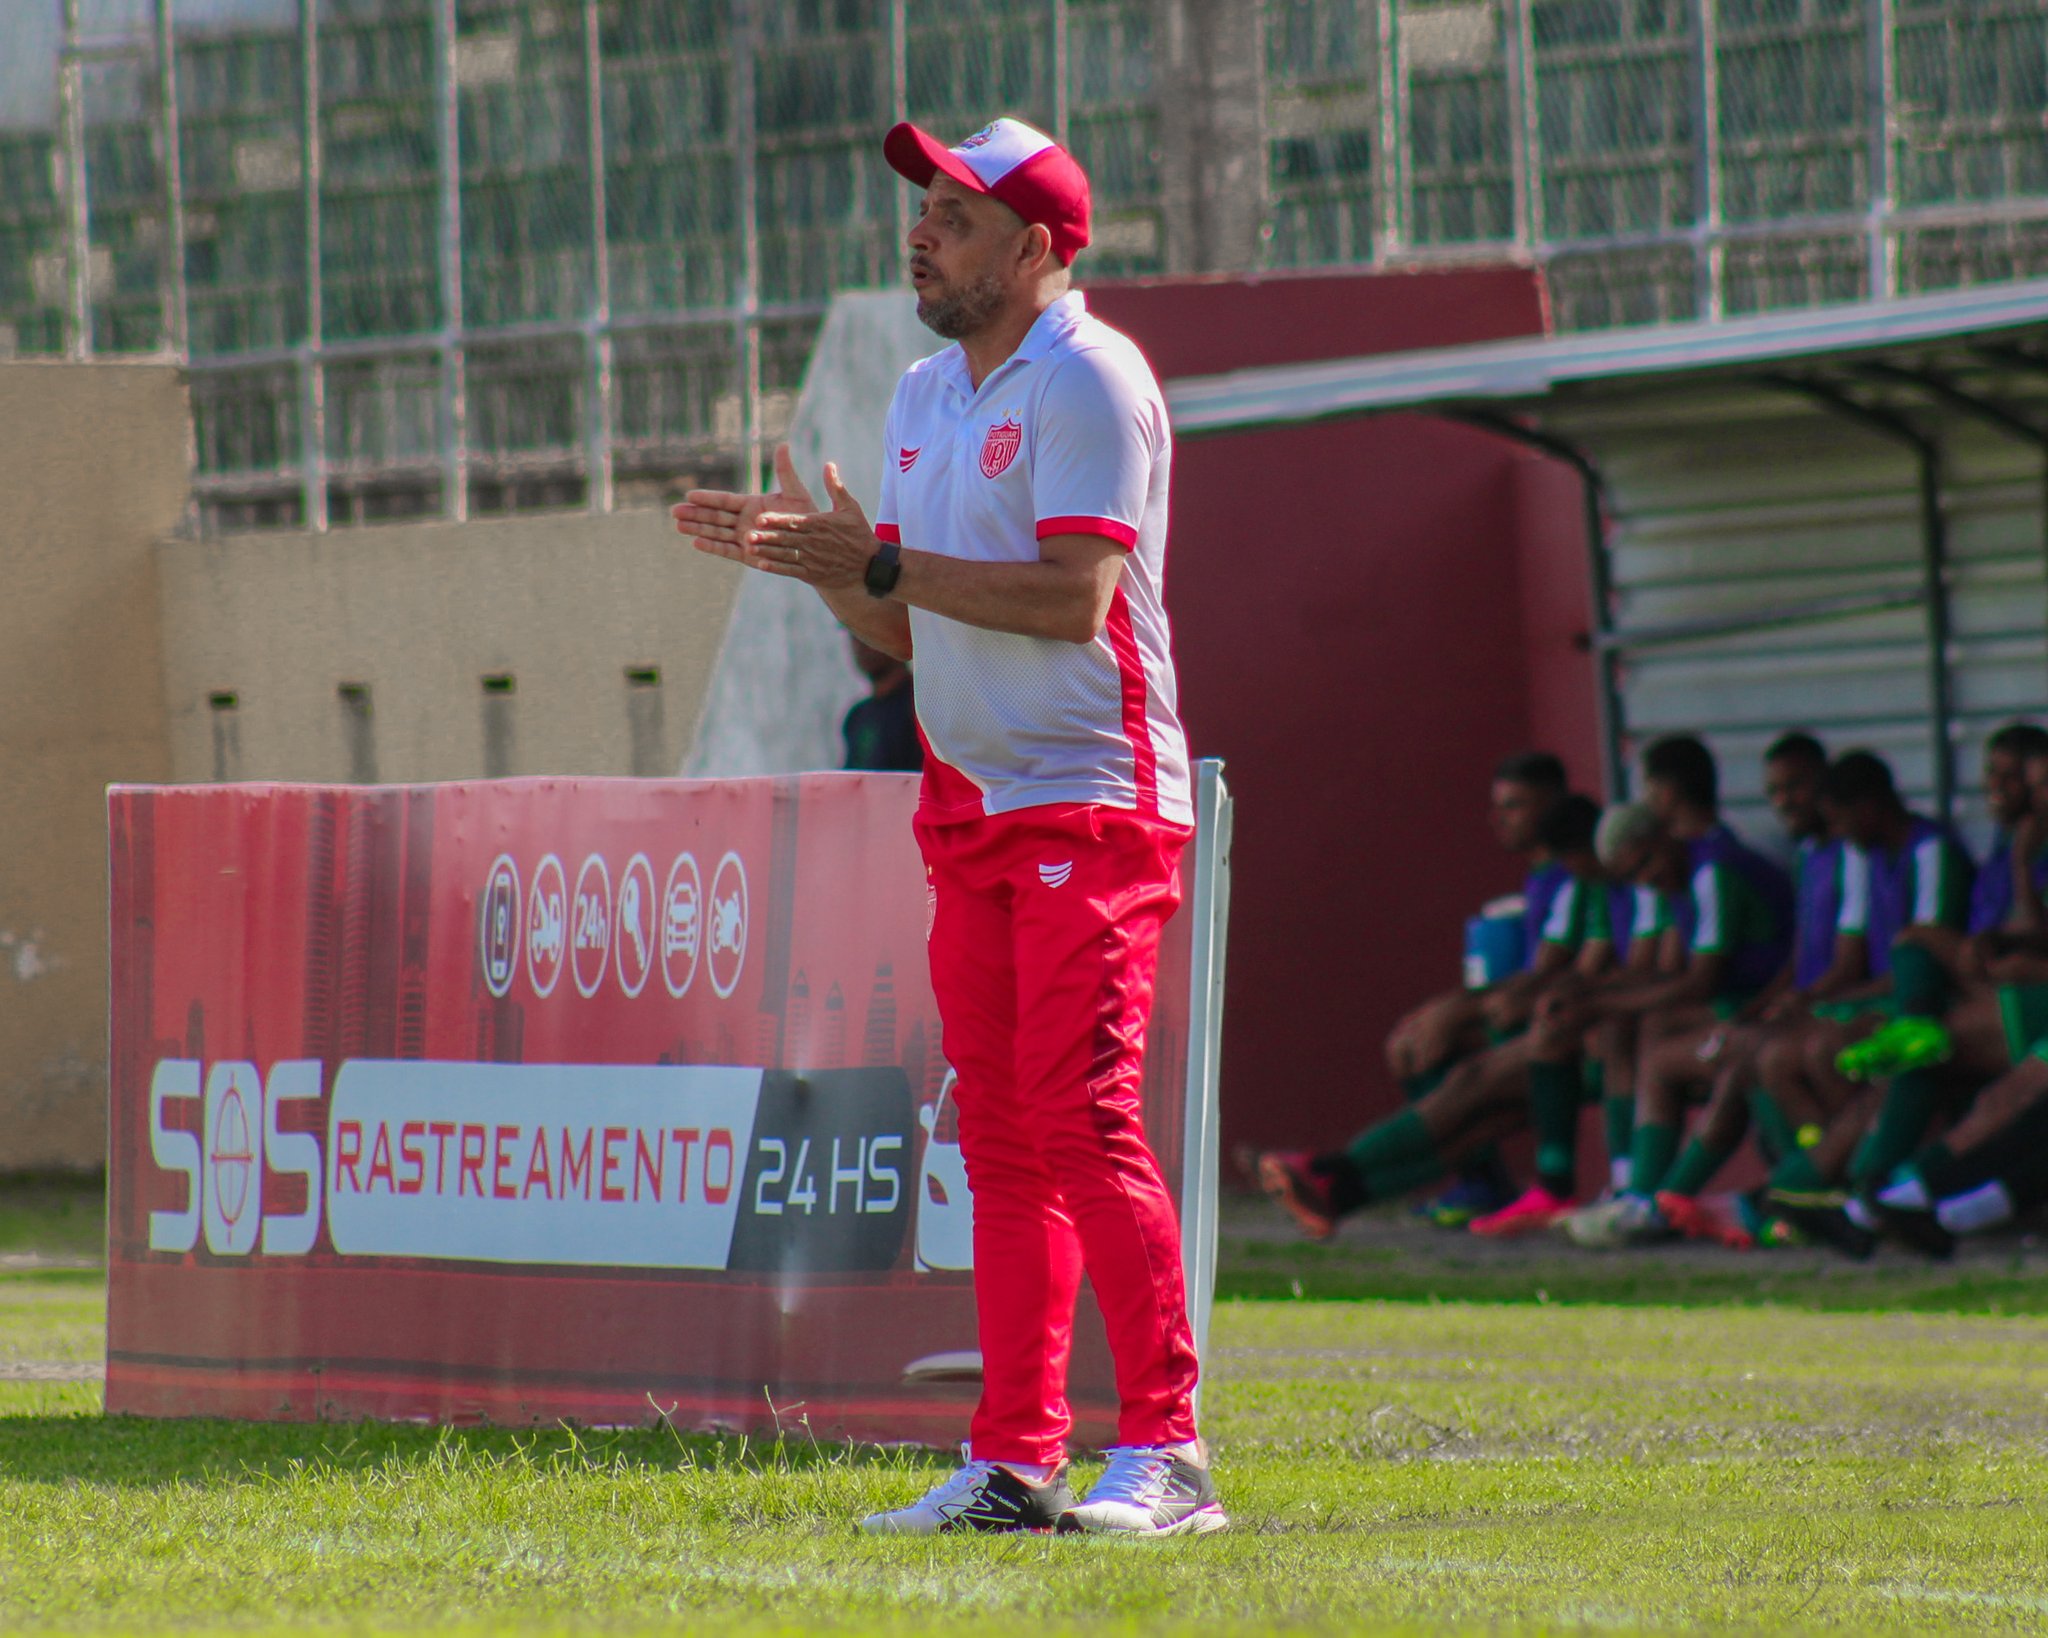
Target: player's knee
{"x":1779,"y":1059}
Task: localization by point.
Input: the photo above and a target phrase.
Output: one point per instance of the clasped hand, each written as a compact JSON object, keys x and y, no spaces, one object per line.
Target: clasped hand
{"x":784,"y":533}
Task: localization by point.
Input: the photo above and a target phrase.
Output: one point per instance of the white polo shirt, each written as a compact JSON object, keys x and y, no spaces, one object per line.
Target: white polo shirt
{"x":1067,"y":436}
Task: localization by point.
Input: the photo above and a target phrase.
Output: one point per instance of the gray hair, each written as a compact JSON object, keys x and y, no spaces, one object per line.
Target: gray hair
{"x":1623,"y":829}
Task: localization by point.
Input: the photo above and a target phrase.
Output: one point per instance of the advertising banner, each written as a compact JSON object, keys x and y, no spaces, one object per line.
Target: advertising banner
{"x":597,"y":1099}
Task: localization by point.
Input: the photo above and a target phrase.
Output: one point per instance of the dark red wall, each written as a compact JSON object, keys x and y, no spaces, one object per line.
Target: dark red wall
{"x":1368,"y":614}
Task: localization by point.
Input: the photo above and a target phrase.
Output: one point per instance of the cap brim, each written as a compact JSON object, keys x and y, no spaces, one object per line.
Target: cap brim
{"x":917,"y":156}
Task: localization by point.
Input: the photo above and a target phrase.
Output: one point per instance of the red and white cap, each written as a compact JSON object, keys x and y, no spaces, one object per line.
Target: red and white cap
{"x":1009,"y":161}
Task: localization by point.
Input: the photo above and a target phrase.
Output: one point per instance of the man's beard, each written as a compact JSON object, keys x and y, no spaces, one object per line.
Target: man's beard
{"x":968,"y":309}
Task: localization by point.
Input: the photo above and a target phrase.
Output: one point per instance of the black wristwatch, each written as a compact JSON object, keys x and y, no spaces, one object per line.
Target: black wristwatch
{"x":882,"y":570}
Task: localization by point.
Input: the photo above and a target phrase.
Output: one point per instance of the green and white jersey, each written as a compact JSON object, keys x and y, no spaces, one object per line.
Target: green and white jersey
{"x":1741,"y":910}
{"x":1571,"y":915}
{"x":1924,"y":882}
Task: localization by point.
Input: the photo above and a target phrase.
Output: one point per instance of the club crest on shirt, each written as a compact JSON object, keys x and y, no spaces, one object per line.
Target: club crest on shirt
{"x":1000,"y":447}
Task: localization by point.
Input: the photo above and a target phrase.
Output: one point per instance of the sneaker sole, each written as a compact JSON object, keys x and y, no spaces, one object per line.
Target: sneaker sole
{"x":1280,"y":1189}
{"x":867,"y":1529}
{"x":1203,"y":1521}
{"x":1527,"y":1223}
{"x":1695,"y":1222}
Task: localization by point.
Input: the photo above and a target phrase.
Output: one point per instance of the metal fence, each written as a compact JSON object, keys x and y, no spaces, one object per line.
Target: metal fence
{"x":468,"y":255}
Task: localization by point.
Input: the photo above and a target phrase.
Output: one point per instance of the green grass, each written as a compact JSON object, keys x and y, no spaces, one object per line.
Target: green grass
{"x":1393,"y":1466}
{"x":59,"y":1217}
{"x":1392,"y":1263}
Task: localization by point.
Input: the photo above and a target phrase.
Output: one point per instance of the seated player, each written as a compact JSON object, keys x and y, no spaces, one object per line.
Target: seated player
{"x":1572,"y":1052}
{"x":1975,"y":1020}
{"x":1917,"y":882}
{"x":1942,"y":982}
{"x":1990,"y":1168}
{"x":1828,"y":959}
{"x":1479,"y":1099}
{"x":1739,"y":907}
{"x":1453,"y":1025}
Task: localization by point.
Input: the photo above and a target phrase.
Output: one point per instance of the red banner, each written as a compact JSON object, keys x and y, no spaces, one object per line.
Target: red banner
{"x":597,"y":1099}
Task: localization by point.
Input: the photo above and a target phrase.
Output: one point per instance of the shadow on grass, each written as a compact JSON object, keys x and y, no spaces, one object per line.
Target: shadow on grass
{"x":53,"y":1214}
{"x":137,"y":1452}
{"x":1393,"y":1263}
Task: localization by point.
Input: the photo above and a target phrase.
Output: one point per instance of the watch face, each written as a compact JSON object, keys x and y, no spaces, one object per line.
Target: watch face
{"x":882,"y":570}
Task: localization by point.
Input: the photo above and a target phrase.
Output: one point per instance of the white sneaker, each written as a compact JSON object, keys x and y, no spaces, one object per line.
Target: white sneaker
{"x":1149,"y":1490}
{"x":1626,"y":1220}
{"x":981,"y":1496}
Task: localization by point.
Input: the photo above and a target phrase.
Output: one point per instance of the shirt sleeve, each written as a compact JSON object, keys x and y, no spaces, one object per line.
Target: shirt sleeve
{"x":1561,"y":926}
{"x":1929,"y":867}
{"x":1098,"y":435}
{"x":888,"y":515}
{"x":1599,"y":922}
{"x":1709,"y":931}
{"x":1854,"y":921}
{"x":1940,"y":892}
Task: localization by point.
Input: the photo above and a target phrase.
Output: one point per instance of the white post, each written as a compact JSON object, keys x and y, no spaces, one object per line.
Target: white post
{"x":1208,"y":910}
{"x":597,"y":457}
{"x":77,"y":213}
{"x":454,"y":366}
{"x":312,"y":368}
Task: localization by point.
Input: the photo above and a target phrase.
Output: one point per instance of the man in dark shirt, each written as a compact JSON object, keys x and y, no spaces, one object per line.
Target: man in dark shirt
{"x":881,"y":730}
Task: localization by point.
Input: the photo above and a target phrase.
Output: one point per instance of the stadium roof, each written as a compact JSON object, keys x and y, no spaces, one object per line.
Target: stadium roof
{"x":1509,"y":372}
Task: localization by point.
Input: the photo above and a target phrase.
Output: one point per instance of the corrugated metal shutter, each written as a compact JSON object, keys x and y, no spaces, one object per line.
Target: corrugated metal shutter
{"x":1734,"y":505}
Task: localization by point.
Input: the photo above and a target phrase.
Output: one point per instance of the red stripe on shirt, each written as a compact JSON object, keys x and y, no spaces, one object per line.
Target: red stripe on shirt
{"x":1130,"y":665}
{"x":1122,"y":533}
{"x":889,"y":533}
{"x":946,"y":795}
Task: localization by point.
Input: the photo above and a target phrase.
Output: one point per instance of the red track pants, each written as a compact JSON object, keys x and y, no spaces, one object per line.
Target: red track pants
{"x":1044,"y":946}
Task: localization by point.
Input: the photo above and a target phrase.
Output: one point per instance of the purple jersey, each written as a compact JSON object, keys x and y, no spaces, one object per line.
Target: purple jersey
{"x":1741,"y":910}
{"x":1539,"y":894}
{"x":1991,"y":899}
{"x":1817,"y":906}
{"x":1924,"y":882}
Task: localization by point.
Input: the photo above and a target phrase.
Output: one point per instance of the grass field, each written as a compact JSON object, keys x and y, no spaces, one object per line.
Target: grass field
{"x":1629,"y":1450}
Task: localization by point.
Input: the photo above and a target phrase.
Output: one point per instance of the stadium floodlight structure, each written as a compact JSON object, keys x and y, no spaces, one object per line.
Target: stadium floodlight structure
{"x":452,"y":255}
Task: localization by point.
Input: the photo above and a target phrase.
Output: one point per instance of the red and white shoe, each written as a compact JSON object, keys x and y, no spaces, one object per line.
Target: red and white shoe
{"x":1303,"y":1194}
{"x":1533,"y":1212}
{"x":1697,"y":1220}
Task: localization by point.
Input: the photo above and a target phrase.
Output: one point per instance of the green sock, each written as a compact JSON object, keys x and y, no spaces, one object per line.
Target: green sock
{"x":1935,"y":1156}
{"x":1621,"y":1126}
{"x":1399,"y":1140}
{"x":1420,"y":1086}
{"x":1797,"y":1172}
{"x":1774,"y":1130}
{"x":1650,"y":1157}
{"x":1388,"y":1181}
{"x":1902,"y":1121}
{"x":1554,"y":1102}
{"x":1698,"y":1162}
{"x":1918,"y":983}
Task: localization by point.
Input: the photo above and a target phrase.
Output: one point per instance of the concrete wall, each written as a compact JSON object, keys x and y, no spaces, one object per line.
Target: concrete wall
{"x":265,"y":631}
{"x":93,"y":472}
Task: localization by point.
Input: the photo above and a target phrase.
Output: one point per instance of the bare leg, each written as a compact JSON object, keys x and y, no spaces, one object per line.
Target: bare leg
{"x":1492,"y":1088}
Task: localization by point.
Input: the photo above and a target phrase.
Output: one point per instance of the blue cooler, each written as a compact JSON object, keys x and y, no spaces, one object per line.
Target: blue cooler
{"x":1494,"y":943}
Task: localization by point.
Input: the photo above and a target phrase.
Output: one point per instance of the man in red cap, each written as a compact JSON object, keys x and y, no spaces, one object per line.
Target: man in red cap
{"x":1020,"y":546}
